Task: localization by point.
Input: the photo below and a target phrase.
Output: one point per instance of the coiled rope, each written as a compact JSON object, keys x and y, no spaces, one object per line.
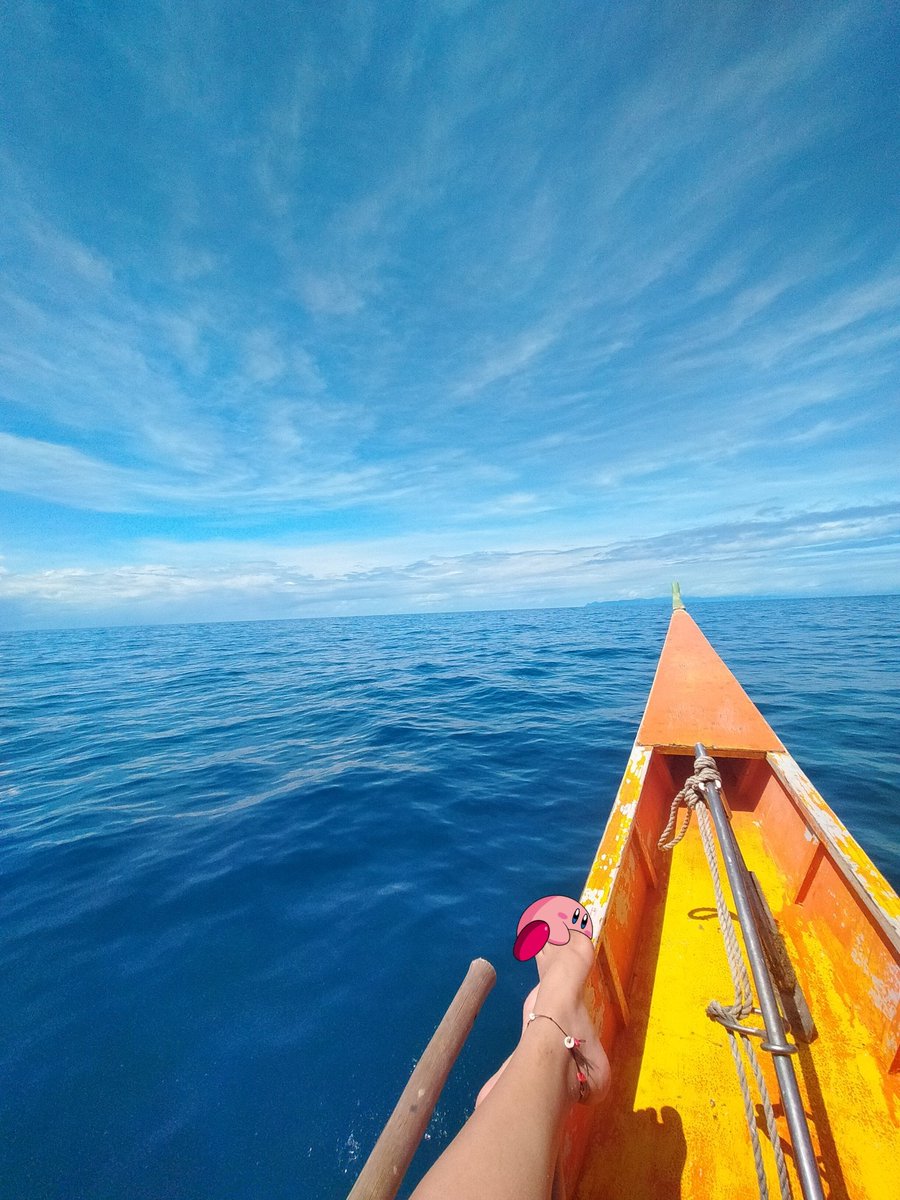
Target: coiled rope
{"x":692,"y":797}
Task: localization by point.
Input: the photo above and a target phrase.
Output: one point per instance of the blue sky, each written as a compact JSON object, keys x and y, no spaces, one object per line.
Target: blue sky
{"x":364,"y":307}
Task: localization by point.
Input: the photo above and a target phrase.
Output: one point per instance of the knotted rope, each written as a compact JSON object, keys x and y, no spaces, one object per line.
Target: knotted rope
{"x":691,"y":795}
{"x":705,"y":771}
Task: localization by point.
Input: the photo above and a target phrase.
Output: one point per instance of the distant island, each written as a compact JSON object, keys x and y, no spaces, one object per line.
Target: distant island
{"x":628,"y":600}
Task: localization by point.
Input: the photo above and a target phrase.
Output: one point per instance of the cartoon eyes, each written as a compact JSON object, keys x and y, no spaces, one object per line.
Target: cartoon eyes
{"x":584,"y":917}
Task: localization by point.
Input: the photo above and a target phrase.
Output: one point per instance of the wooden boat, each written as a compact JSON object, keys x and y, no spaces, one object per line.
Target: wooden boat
{"x":674,"y":1122}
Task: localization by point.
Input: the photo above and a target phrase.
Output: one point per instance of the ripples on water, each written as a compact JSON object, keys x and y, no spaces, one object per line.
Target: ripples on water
{"x":245,"y":866}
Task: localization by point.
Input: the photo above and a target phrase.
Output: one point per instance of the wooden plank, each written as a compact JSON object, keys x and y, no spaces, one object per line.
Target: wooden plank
{"x":643,"y":854}
{"x":385,"y":1167}
{"x":611,"y":971}
{"x":817,"y":853}
{"x":784,"y":976}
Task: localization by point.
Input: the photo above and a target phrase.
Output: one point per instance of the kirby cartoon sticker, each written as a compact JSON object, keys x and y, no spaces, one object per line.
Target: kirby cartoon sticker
{"x":551,"y":919}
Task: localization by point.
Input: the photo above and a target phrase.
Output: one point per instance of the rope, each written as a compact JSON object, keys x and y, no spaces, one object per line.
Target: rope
{"x":705,"y":771}
{"x":691,"y":795}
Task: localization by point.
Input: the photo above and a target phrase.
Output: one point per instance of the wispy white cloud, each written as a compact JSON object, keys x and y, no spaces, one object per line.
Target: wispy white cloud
{"x":175,"y":53}
{"x":799,"y":552}
{"x":506,"y":359}
{"x":333,"y":294}
{"x":264,"y":360}
{"x":58,"y":473}
{"x":69,"y":256}
{"x":281,"y":143}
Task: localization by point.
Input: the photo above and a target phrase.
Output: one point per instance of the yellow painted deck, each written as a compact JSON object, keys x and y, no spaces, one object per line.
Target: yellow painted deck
{"x":674,"y":1125}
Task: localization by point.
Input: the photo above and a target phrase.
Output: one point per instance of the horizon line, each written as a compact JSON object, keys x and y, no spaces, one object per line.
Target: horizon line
{"x":450,"y":612}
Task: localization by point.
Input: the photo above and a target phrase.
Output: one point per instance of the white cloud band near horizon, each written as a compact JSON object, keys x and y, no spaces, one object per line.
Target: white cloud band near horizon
{"x":823,"y":553}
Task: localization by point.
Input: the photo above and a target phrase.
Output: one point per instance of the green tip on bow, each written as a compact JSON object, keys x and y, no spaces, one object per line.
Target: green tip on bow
{"x":677,"y":602}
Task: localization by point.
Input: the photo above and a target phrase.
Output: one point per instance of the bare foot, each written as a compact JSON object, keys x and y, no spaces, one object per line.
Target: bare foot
{"x":560,"y":994}
{"x":563,"y":971}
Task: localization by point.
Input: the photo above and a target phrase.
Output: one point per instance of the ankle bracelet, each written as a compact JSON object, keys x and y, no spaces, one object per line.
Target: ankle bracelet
{"x":571,"y":1044}
{"x":568,"y":1041}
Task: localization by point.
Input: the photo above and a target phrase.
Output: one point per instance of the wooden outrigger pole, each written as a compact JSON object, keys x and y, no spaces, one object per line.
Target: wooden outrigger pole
{"x":391,"y":1155}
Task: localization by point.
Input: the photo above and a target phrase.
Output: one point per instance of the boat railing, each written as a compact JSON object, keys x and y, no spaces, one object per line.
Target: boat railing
{"x":775,"y":1041}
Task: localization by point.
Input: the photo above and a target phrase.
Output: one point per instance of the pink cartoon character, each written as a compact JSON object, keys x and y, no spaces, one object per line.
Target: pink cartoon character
{"x":551,"y":919}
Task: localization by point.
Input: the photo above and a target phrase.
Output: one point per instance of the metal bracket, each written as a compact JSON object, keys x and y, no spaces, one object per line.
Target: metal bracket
{"x":752,"y":1031}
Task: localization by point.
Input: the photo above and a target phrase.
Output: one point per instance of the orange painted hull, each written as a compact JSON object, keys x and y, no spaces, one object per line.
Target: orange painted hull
{"x":673,"y":1125}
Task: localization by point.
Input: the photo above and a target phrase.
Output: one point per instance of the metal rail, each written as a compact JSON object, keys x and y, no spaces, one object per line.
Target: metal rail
{"x":776,"y":1042}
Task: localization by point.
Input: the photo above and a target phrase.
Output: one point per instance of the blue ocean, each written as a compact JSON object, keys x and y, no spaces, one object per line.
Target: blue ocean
{"x":245,"y":866}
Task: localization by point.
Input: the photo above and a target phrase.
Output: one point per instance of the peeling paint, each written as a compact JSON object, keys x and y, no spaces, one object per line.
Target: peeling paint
{"x":604,"y":871}
{"x":849,"y":857}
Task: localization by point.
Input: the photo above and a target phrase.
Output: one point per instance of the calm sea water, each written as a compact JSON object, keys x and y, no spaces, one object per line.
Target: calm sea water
{"x":245,"y":866}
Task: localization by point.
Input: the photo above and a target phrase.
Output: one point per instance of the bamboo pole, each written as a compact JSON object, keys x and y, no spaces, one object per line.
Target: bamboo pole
{"x":393,"y":1152}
